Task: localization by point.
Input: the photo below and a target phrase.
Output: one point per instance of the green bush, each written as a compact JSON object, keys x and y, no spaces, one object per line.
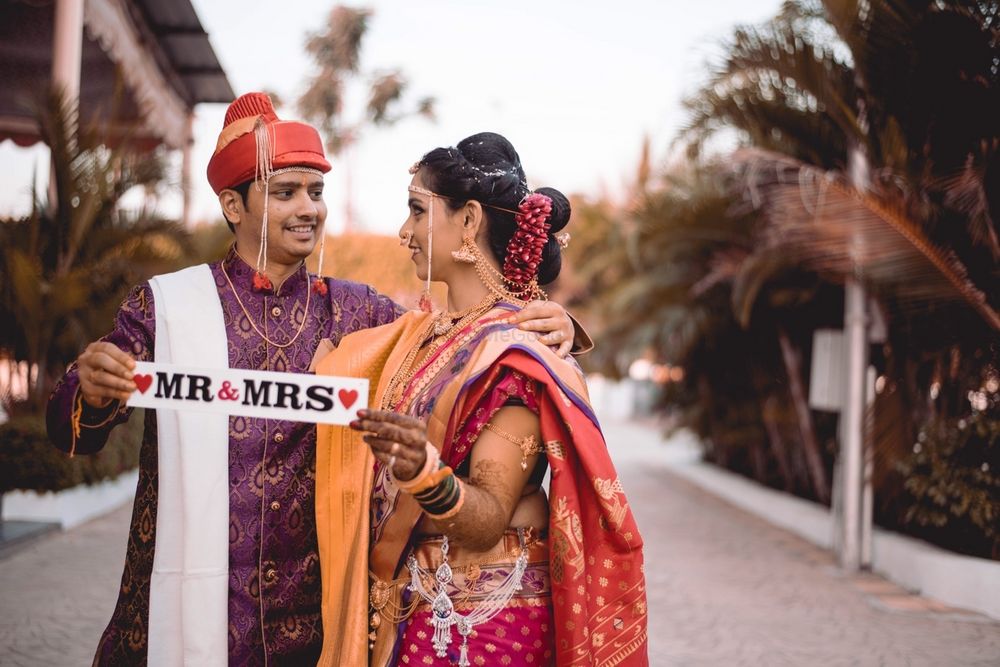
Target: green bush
{"x":29,"y":462}
{"x":952,"y":480}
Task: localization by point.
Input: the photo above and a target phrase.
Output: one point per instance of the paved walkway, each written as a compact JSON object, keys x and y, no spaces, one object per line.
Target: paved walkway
{"x":57,"y":594}
{"x":725,"y":588}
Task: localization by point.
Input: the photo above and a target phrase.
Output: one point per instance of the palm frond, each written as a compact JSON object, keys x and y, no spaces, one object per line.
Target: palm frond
{"x":833,"y":228}
{"x":965,"y":191}
{"x":385,"y":91}
{"x":751,"y":277}
{"x":339,"y":47}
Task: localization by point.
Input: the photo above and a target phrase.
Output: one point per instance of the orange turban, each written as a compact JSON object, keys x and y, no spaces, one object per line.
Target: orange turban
{"x":251,"y":121}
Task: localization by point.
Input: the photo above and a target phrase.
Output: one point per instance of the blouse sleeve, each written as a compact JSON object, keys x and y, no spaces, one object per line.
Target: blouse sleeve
{"x":511,"y":389}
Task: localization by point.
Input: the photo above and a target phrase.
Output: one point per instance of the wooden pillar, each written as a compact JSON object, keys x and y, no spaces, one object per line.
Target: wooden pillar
{"x":67,"y":54}
{"x":67,"y":46}
{"x":186,"y":170}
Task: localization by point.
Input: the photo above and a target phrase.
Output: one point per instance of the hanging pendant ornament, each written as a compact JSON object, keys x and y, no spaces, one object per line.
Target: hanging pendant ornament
{"x":464,"y":630}
{"x":442,"y":325}
{"x":263,"y":169}
{"x":319,"y":283}
{"x":261,"y":282}
{"x":443,"y":614}
{"x":426,"y":305}
{"x":442,"y":609}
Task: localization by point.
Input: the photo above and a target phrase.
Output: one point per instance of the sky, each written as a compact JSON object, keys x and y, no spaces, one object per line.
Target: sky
{"x":575,"y":86}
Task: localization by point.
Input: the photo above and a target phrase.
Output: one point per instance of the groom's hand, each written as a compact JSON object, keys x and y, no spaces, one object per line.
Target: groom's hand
{"x":551,"y":320}
{"x":105,"y":374}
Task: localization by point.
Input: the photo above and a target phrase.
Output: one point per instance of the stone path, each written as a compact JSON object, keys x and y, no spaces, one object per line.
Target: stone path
{"x":727,"y":588}
{"x":58,"y":592}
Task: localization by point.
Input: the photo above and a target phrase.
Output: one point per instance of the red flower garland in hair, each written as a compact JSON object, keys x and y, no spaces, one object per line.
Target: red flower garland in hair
{"x":524,"y":252}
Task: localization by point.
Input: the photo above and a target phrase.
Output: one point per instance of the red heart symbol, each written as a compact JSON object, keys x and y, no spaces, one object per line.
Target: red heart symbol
{"x":348,"y":397}
{"x":142,"y":382}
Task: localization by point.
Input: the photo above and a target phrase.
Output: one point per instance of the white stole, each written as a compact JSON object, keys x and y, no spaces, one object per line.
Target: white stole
{"x":189,"y":589}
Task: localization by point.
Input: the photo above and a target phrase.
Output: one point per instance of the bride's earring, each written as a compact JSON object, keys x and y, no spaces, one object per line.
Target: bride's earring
{"x":467,"y":253}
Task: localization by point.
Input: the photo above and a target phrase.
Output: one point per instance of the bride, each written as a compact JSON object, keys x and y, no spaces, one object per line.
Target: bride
{"x":438,"y":543}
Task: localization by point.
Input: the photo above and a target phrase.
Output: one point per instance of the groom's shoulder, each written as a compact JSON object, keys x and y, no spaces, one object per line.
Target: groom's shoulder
{"x":340,"y":290}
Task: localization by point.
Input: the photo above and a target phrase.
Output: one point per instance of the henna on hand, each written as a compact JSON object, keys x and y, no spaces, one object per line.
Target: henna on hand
{"x":390,"y":434}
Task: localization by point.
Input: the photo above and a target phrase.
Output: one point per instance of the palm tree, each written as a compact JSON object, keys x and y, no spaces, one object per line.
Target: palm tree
{"x":736,"y":268}
{"x":65,"y":267}
{"x":337,"y":53}
{"x":911,"y":85}
{"x":671,"y":273}
{"x":875,"y":155}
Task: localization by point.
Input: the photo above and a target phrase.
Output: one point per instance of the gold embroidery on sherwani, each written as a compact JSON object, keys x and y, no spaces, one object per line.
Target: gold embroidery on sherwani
{"x":611,"y":497}
{"x":567,"y":536}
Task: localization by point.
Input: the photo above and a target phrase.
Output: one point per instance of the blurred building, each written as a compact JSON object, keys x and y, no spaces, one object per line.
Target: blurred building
{"x":154,"y":52}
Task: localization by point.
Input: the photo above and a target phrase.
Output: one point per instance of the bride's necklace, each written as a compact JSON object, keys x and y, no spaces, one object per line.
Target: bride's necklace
{"x":401,"y":379}
{"x":446,"y":321}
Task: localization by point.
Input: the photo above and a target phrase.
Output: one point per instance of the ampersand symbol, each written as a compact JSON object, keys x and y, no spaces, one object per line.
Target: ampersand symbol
{"x":228,"y":393}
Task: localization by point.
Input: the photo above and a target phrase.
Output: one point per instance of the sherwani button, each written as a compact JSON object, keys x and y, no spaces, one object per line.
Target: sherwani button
{"x":271,"y":575}
{"x":278,"y":437}
{"x":275,"y":506}
{"x":276,"y":311}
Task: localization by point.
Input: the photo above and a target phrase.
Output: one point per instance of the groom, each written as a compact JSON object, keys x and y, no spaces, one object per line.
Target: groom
{"x":221,"y":563}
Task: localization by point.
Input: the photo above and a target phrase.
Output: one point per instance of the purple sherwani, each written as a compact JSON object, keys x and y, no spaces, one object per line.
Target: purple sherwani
{"x":274,"y":582}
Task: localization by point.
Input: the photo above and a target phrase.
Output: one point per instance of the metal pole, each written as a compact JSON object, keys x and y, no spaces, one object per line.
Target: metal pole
{"x":856,"y":342}
{"x":867,"y":497}
{"x":852,"y":449}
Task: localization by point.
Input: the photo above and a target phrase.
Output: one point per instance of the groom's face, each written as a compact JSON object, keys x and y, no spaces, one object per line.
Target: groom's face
{"x":296,"y":216}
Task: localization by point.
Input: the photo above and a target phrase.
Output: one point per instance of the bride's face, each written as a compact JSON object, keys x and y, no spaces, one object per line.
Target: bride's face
{"x":449,"y":227}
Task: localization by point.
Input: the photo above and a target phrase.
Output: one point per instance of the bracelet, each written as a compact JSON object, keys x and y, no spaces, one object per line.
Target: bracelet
{"x":422,"y":479}
{"x":441,"y":498}
{"x":436,"y":494}
{"x":458,"y":499}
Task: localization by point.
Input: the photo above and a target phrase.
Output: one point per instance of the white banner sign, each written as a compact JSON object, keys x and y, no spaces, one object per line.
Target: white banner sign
{"x":301,"y":397}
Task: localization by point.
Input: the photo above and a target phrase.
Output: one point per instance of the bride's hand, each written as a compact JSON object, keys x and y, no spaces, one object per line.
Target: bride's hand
{"x":549,"y":319}
{"x":390,"y":434}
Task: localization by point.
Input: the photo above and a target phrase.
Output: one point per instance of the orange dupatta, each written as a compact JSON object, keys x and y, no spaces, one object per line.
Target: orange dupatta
{"x":344,"y":471}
